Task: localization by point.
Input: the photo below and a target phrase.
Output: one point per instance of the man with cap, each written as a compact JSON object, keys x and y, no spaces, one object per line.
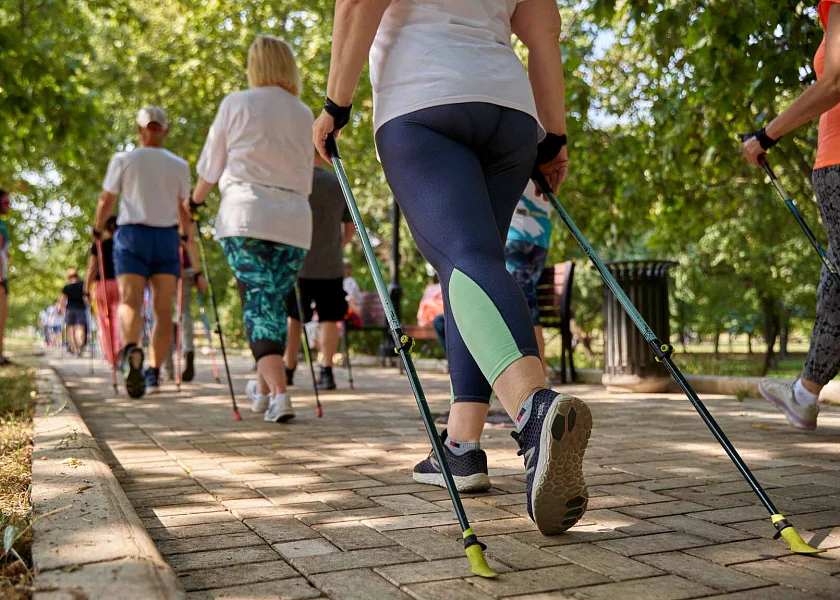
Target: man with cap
{"x":152,"y":184}
{"x":5,"y":206}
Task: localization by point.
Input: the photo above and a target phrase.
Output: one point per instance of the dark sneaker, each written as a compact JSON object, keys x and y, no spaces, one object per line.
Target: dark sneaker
{"x":290,"y":377}
{"x":327,"y":381}
{"x":152,"y":377}
{"x":553,"y":441}
{"x":468,"y":470}
{"x":189,"y":370}
{"x":132,"y":367}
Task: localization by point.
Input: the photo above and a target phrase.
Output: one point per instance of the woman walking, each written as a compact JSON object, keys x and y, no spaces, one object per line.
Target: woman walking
{"x":799,"y":399}
{"x":259,"y":150}
{"x":456,"y":126}
{"x":106,"y":292}
{"x":74,"y":307}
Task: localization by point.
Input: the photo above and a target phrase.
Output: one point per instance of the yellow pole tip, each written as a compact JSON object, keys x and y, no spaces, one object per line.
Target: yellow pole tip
{"x":478,"y":564}
{"x":797,"y":544}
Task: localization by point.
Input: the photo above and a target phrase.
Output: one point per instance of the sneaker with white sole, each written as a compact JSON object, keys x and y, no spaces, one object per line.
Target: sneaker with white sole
{"x":553,"y":440}
{"x":279,"y":409}
{"x":259,"y":402}
{"x":468,"y":470}
{"x":781,"y":394}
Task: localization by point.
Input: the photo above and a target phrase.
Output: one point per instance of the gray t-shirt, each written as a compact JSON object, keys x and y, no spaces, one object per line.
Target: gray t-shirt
{"x":325,"y":259}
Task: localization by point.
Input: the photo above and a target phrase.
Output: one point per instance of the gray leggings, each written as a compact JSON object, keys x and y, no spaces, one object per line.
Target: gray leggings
{"x":823,"y":362}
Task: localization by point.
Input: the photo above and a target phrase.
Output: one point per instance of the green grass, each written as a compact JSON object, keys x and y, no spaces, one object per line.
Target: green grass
{"x":17,"y":393}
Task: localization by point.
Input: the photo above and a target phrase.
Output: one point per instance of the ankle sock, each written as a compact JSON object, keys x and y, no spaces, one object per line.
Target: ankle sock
{"x":802,"y":396}
{"x":460,"y":448}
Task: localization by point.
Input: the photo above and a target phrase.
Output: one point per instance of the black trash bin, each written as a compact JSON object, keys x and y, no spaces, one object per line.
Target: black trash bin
{"x":629,"y":362}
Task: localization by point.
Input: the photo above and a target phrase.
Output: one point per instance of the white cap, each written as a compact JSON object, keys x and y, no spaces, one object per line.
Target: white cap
{"x":152,"y":114}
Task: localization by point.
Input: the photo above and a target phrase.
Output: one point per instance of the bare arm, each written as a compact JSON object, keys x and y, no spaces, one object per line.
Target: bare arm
{"x":92,"y":273}
{"x":202,"y":188}
{"x":104,"y":209}
{"x":354,"y":28}
{"x":349,"y":232}
{"x":537,"y":23}
{"x":817,"y":99}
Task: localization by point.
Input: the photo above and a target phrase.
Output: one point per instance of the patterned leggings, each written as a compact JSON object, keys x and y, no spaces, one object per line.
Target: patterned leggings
{"x":265,"y":272}
{"x":823,"y":362}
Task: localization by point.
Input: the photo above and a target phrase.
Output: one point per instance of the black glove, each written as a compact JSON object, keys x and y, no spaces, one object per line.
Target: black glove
{"x":97,"y":235}
{"x":194,"y":206}
{"x":764,"y":140}
{"x":340,"y":114}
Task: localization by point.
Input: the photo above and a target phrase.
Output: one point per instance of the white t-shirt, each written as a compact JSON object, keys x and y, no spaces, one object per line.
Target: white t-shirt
{"x":150,"y":182}
{"x":352,"y":291}
{"x":260,"y":151}
{"x":435,"y":52}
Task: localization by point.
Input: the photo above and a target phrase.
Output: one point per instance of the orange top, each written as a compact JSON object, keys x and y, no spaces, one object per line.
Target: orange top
{"x":828,"y":141}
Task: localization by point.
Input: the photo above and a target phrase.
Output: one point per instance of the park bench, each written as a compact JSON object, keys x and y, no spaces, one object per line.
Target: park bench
{"x":554,"y":300}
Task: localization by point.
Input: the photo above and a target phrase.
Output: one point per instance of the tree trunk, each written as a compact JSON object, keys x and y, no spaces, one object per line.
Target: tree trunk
{"x":717,"y":341}
{"x":749,"y":344}
{"x":784,"y":333}
{"x":771,"y":332}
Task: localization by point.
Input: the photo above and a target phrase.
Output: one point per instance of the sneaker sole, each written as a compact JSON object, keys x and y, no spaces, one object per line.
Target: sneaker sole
{"x":480,"y":482}
{"x":135,"y":383}
{"x":791,"y":417}
{"x":281,"y":418}
{"x":559,"y":497}
{"x":189,"y":372}
{"x":259,"y":408}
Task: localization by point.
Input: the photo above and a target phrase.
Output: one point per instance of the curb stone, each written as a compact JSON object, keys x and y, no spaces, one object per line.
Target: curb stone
{"x":87,"y":540}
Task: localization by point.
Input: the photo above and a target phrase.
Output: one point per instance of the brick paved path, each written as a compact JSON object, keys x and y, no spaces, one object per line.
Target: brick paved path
{"x":328,"y":508}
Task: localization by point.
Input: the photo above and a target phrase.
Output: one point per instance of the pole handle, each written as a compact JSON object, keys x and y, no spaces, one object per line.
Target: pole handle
{"x":332,"y":147}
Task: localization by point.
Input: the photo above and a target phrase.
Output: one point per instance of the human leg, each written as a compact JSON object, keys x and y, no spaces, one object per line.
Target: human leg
{"x":163,"y":297}
{"x":131,"y":303}
{"x":187,"y":327}
{"x":265,"y":272}
{"x":331,"y":304}
{"x":440,"y":163}
{"x":799,"y":399}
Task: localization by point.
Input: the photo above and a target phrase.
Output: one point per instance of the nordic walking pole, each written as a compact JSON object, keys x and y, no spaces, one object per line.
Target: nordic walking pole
{"x":106,"y":310}
{"x":403,"y":344}
{"x":179,"y":315}
{"x":207,"y":333}
{"x":663,"y":352}
{"x":90,"y":321}
{"x":305,"y":339}
{"x":203,"y":256}
{"x":832,"y":269}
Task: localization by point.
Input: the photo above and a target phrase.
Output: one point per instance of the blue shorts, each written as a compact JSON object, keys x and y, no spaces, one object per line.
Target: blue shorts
{"x":526,"y":261}
{"x":146,"y":251}
{"x":75,"y":315}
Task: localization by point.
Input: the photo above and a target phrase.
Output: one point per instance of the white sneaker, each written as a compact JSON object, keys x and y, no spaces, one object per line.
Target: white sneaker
{"x":259,"y":402}
{"x":279,"y":409}
{"x":780,"y":393}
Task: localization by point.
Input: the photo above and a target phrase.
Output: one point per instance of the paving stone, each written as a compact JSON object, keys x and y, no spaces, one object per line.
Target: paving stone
{"x":222,"y":577}
{"x":427,"y":543}
{"x":828,"y":562}
{"x":741,"y":552}
{"x":343,"y":499}
{"x":704,"y":529}
{"x":410,"y":521}
{"x":661,"y":509}
{"x":300,"y":548}
{"x":353,"y":536}
{"x":650,"y":544}
{"x":162,"y":534}
{"x":286,"y":589}
{"x":346,"y":515}
{"x":281,"y":529}
{"x":702,"y":571}
{"x":188,"y":519}
{"x":221,"y":558}
{"x":213,"y":542}
{"x":406,"y":504}
{"x":355,"y":559}
{"x":615,"y":566}
{"x":767,"y":593}
{"x":450,"y":568}
{"x":357,"y":584}
{"x":704,"y":498}
{"x":272,"y":510}
{"x":518,"y":554}
{"x":819,"y":584}
{"x":538,"y":580}
{"x":725,"y":516}
{"x":669,"y":587}
{"x":451,"y":589}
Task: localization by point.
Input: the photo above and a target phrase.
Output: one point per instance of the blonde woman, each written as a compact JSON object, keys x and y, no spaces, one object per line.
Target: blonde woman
{"x":259,"y":150}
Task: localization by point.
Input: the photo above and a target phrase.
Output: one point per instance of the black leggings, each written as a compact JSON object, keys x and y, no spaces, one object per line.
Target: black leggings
{"x":457,"y":172}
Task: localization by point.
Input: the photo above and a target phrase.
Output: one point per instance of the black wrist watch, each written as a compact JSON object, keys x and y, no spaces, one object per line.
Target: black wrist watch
{"x":764,"y":140}
{"x":550,"y":147}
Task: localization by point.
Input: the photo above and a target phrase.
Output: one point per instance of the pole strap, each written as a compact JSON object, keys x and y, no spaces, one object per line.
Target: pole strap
{"x":406,"y":344}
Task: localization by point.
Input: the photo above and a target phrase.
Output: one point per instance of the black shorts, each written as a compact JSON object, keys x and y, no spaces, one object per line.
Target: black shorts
{"x":75,"y":315}
{"x":328,"y":295}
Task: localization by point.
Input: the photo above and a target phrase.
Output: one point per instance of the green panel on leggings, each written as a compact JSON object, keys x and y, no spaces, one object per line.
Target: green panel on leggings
{"x":481,"y":325}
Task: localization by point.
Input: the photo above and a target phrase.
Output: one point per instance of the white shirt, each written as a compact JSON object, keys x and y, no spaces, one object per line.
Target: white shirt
{"x":352,"y":292}
{"x":260,"y":151}
{"x":149,"y":181}
{"x":435,"y":52}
